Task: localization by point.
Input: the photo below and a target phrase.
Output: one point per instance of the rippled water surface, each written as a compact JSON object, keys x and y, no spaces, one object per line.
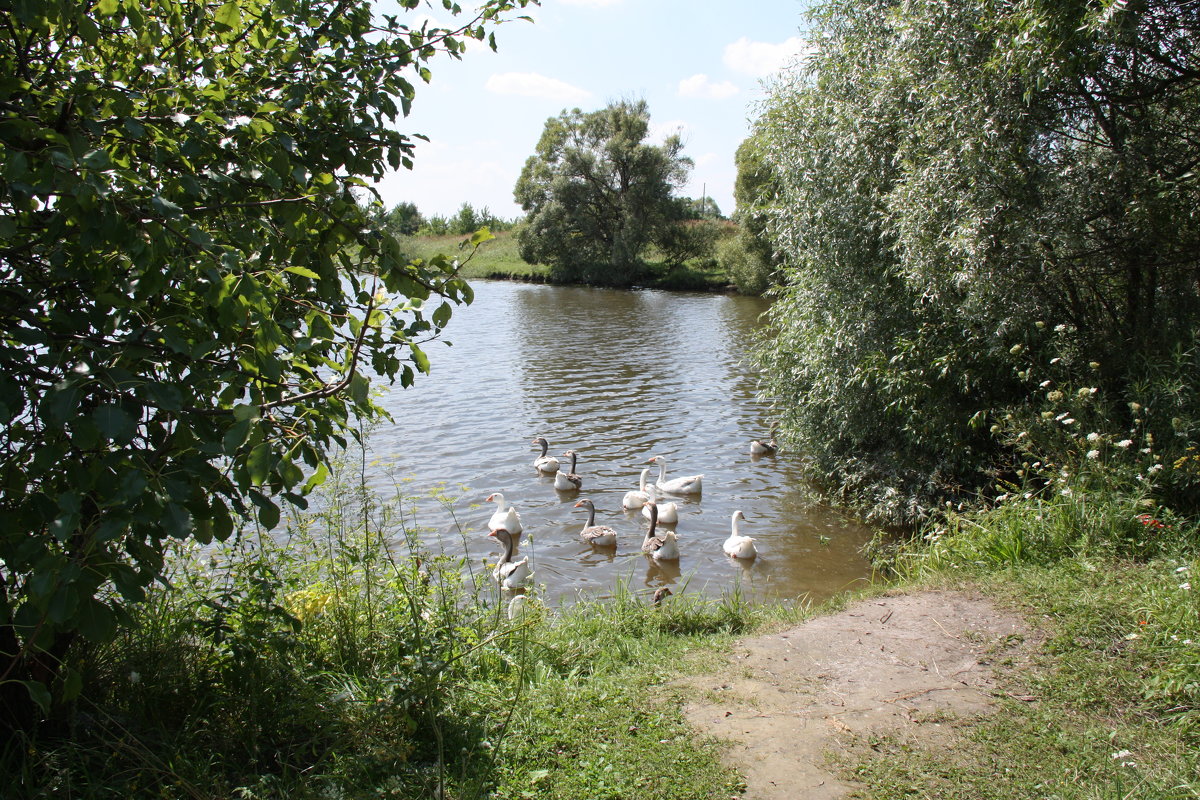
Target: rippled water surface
{"x":617,"y":376}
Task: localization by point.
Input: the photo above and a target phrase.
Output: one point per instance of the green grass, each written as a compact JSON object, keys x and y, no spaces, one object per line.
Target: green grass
{"x":341,"y":660}
{"x":1109,"y":704}
{"x":498,"y":259}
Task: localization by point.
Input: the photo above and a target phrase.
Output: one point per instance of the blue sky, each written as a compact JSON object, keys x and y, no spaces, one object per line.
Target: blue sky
{"x":699,"y":64}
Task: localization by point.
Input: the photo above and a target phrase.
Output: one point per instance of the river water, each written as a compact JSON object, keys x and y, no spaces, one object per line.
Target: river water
{"x":618,"y":376}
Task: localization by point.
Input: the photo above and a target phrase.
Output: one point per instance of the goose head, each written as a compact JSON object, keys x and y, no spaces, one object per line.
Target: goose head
{"x":505,"y":538}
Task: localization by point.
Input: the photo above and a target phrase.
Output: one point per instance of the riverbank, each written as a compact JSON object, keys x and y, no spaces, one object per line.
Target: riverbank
{"x":324,"y":663}
{"x":498,"y":259}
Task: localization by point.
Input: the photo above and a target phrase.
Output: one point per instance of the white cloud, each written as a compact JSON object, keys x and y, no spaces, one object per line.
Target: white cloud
{"x":700,"y":86}
{"x":761,"y":59}
{"x":446,"y":176}
{"x":531,"y":84}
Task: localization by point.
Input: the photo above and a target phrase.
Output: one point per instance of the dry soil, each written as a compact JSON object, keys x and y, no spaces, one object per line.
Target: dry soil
{"x":790,"y":704}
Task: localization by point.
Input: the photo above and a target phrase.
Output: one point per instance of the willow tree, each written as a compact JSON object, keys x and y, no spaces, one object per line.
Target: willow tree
{"x":596,"y":193}
{"x":978,"y":201}
{"x":192,"y":303}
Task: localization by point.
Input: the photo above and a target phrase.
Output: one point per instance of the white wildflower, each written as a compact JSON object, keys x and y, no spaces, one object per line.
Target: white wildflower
{"x":1060,"y":328}
{"x":1044,"y":384}
{"x":1186,"y":586}
{"x":1066,"y":493}
{"x":1181,"y":569}
{"x":1120,"y":754}
{"x":1069,"y":421}
{"x":1093,"y":454}
{"x":1154,"y":468}
{"x":1124,"y":444}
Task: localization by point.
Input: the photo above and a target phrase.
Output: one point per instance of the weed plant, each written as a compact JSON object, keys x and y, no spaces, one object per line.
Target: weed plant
{"x":338,"y":658}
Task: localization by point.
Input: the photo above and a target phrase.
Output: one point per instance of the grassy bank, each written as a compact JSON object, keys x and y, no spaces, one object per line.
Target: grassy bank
{"x":337,"y":658}
{"x":1108,"y":705}
{"x":499,"y":259}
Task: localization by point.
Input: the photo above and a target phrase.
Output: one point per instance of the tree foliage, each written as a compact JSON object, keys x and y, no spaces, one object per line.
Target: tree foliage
{"x":403,"y":219}
{"x":981,"y":202}
{"x":595,"y":193}
{"x":194,"y":304}
{"x":747,"y":256}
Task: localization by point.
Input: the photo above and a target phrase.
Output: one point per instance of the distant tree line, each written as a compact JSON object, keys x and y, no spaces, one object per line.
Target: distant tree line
{"x":404,"y":219}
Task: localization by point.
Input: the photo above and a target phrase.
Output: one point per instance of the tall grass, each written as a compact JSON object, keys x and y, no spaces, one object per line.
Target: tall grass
{"x":339,"y":658}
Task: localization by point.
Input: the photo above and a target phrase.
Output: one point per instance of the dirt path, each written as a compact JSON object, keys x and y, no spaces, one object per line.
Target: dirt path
{"x":898,"y":664}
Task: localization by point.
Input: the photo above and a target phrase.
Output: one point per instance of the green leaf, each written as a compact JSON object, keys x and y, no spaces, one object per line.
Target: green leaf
{"x":229,"y":15}
{"x":39,"y":694}
{"x":317,"y":478}
{"x":260,"y":463}
{"x":115,"y":423}
{"x":441,"y":315}
{"x":304,"y":272}
{"x":106,"y":8}
{"x":96,"y":621}
{"x":268,"y":512}
{"x":420,"y":359}
{"x":235,"y":437}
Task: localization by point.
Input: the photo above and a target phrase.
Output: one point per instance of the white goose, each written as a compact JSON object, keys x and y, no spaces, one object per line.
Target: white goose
{"x":668,"y":513}
{"x":508,"y":573}
{"x":737,"y":545}
{"x":502,"y":517}
{"x":638,"y":496}
{"x":690,"y":484}
{"x":545,"y":463}
{"x":660,"y":548}
{"x":598,"y":535}
{"x":568,"y":481}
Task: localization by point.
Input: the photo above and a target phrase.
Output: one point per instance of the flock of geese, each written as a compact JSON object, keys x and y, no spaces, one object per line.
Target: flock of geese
{"x":505,"y":523}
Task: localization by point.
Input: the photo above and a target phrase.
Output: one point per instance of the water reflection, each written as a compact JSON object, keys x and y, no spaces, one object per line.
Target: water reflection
{"x":617,"y":376}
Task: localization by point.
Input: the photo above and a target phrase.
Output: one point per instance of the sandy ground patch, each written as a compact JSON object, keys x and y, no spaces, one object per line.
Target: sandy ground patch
{"x":898,"y":664}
